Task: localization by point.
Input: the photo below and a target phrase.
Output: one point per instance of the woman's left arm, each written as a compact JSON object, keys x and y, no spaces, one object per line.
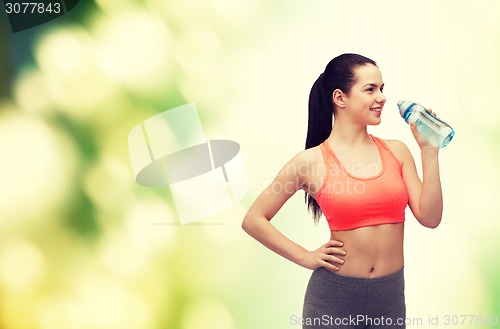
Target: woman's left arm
{"x":425,"y":198}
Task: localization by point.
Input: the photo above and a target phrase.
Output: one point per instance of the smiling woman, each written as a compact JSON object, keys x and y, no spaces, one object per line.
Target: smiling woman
{"x":359,"y":272}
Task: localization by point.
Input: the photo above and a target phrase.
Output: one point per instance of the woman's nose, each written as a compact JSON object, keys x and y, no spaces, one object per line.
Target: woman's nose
{"x":381,"y":98}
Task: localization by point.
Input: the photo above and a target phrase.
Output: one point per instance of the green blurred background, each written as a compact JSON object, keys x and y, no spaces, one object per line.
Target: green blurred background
{"x":83,"y":246}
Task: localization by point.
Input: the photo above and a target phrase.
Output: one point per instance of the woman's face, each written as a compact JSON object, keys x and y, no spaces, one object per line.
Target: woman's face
{"x":366,"y":99}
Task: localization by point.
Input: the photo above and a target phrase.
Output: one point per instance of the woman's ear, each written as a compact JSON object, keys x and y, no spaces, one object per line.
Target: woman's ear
{"x":339,"y":98}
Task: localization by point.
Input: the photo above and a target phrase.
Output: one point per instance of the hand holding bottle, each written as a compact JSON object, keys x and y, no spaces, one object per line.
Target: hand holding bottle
{"x":422,"y":141}
{"x":435,"y":131}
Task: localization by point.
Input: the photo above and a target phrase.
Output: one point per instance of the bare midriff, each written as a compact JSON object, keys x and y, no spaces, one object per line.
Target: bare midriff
{"x":372,"y":251}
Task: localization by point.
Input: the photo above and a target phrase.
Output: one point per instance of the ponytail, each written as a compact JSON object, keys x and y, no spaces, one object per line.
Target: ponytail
{"x":320,"y":119}
{"x":319,"y":127}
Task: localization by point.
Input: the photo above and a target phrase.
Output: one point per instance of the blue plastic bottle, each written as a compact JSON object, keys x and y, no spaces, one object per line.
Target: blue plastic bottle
{"x":437,"y":132}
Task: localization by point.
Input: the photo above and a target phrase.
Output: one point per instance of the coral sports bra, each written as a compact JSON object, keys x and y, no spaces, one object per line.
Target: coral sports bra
{"x":349,"y":202}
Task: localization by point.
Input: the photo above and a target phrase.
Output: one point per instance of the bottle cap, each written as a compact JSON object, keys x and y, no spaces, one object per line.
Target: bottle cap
{"x":403,"y":106}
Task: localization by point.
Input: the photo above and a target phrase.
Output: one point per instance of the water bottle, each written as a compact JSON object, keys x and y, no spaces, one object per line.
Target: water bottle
{"x":437,"y":132}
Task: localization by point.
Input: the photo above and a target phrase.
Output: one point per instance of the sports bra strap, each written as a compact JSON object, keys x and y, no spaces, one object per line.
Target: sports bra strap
{"x":384,"y":145}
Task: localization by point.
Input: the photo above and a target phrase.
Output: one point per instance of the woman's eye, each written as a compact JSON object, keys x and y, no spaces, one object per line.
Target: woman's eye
{"x":369,"y":89}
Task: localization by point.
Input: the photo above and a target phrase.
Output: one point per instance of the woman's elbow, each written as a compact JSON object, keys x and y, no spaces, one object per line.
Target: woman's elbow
{"x":431,"y":223}
{"x":246,"y":224}
{"x":430,"y":218}
{"x":252,"y":223}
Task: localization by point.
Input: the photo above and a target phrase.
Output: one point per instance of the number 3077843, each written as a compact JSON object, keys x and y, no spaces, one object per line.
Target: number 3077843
{"x":32,"y":8}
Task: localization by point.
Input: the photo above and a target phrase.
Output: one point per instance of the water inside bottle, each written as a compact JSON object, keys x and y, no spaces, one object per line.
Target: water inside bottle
{"x":430,"y":134}
{"x":436,"y":134}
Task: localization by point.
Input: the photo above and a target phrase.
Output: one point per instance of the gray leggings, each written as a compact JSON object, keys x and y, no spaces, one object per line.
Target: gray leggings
{"x":336,"y":301}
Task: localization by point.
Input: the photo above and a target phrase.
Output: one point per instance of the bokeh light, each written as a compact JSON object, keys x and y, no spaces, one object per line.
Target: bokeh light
{"x":134,"y":49}
{"x":75,"y":81}
{"x":22,"y":265}
{"x":32,"y":93}
{"x":35,"y":156}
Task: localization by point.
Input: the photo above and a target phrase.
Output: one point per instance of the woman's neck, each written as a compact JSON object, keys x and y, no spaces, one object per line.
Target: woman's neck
{"x":349,"y":134}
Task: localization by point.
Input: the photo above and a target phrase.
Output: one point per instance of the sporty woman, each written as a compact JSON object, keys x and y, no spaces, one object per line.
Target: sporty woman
{"x":362,"y":185}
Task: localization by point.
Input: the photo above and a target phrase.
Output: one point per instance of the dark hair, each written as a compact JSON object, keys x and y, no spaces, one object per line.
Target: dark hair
{"x":338,"y":74}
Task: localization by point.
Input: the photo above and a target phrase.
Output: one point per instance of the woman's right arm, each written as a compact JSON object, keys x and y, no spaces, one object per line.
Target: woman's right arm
{"x":257,"y":220}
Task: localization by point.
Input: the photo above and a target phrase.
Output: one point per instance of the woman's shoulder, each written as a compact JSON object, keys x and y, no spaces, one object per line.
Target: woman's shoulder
{"x":307,"y":156}
{"x":306,"y":161}
{"x":394,"y":143}
{"x":398,"y":148}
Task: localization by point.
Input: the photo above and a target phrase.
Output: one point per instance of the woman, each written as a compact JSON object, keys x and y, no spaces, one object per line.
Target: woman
{"x":362,"y":185}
